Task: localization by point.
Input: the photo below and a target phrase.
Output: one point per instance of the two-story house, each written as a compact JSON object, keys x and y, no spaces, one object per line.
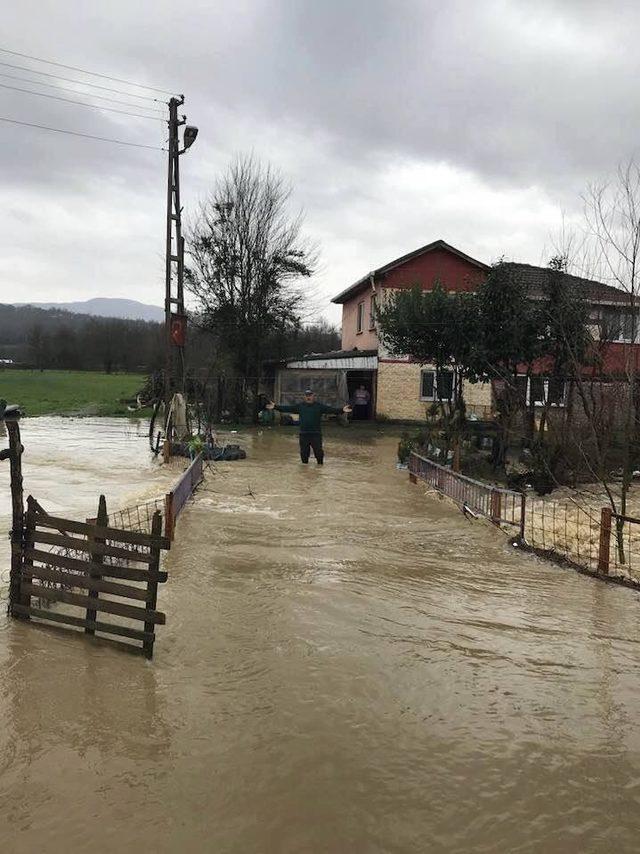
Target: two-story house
{"x":401,"y":388}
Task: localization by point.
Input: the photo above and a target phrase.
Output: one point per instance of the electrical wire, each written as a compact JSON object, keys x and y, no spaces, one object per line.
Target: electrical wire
{"x":84,"y":71}
{"x":80,"y":103}
{"x":81,"y":82}
{"x":75,"y":92}
{"x":84,"y":135}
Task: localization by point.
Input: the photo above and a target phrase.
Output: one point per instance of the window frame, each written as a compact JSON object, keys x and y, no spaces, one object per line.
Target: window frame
{"x":620,"y":317}
{"x":433,"y":398}
{"x":360,"y":318}
{"x":540,"y":404}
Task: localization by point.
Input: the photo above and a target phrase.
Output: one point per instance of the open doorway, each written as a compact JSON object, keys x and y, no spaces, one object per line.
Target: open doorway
{"x":362,"y":392}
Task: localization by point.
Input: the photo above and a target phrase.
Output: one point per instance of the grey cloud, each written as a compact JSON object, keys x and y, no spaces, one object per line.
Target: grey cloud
{"x":517,"y":93}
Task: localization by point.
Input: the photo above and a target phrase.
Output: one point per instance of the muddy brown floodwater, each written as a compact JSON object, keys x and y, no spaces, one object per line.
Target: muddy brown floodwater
{"x":348,"y":665}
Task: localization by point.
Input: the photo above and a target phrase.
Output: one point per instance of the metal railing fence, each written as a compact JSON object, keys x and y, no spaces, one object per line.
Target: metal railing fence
{"x":591,"y":538}
{"x":501,"y":506}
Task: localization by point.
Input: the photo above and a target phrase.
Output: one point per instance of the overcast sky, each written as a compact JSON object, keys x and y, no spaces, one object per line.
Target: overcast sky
{"x":397,"y":121}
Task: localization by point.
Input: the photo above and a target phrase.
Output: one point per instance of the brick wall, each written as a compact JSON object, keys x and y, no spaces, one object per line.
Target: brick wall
{"x":478,"y":399}
{"x":398,"y":395}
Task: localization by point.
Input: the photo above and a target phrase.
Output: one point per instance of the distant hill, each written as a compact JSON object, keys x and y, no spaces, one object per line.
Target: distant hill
{"x":106,"y":307}
{"x":58,"y":338}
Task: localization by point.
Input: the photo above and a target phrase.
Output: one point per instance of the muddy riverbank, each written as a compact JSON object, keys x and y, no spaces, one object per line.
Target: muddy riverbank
{"x":347,"y":665}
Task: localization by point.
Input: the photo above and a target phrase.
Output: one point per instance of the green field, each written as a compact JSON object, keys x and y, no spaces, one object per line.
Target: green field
{"x":69,"y":392}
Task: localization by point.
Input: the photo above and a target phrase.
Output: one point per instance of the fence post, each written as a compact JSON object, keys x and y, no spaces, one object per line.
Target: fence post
{"x":523,"y":514}
{"x":17,"y":523}
{"x":605,"y":540}
{"x":411,"y":467}
{"x":168,"y":515}
{"x":102,"y":520}
{"x":27,"y":561}
{"x":152,"y":586}
{"x":496,"y":506}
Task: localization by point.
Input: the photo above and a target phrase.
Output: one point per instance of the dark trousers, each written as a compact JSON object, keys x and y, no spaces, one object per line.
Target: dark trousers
{"x":309,"y":441}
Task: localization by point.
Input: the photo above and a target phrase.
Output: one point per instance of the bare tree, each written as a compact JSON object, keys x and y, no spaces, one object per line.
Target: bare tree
{"x":612,"y":213}
{"x":609,"y":251}
{"x":248,"y":260}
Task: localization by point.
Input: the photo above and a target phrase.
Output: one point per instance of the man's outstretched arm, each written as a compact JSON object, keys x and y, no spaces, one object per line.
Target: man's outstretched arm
{"x":294,"y":408}
{"x":336,"y":410}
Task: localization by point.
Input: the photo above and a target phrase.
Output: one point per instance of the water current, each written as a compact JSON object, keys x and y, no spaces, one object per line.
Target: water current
{"x":348,"y":665}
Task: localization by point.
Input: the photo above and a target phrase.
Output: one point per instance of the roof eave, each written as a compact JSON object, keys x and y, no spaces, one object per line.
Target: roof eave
{"x":353,"y":289}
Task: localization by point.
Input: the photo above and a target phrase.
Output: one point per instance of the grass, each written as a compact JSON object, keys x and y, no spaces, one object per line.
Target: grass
{"x":69,"y":392}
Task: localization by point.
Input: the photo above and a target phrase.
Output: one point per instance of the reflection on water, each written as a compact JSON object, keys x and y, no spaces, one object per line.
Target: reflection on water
{"x":347,"y":665}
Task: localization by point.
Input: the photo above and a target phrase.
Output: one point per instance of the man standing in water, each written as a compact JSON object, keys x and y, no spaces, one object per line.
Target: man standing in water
{"x":310,"y":412}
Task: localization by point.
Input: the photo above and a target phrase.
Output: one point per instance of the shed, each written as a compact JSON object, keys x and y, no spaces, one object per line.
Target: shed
{"x":333,"y":376}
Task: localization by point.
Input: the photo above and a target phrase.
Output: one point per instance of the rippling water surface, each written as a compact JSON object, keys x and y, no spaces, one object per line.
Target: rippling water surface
{"x":348,"y":665}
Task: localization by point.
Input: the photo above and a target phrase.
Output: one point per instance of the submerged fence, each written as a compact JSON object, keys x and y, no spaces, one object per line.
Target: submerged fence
{"x":590,"y":538}
{"x":139,"y":517}
{"x":89,"y":576}
{"x":501,"y":506}
{"x":175,"y":500}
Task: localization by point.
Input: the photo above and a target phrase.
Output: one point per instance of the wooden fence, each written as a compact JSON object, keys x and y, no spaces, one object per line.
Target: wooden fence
{"x":80,"y":566}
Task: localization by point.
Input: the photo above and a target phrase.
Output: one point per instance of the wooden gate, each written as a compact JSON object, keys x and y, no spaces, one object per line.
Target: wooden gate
{"x":79,"y":567}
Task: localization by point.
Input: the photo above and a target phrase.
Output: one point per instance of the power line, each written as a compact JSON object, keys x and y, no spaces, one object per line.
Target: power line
{"x":84,"y":135}
{"x":79,"y":103}
{"x":80,"y":82}
{"x":84,"y":71}
{"x":75,"y":92}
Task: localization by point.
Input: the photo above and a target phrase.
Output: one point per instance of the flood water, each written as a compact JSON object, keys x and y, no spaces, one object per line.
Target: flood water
{"x":348,"y":665}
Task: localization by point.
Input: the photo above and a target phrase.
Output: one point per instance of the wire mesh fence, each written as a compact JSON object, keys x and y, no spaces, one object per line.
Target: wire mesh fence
{"x":624,"y":546}
{"x":138,"y":517}
{"x":566,"y":529}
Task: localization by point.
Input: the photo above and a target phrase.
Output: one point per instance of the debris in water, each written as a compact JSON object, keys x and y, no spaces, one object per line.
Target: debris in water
{"x":469,"y":512}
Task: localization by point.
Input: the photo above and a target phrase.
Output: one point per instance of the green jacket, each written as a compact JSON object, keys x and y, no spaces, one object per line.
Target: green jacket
{"x":310,"y":414}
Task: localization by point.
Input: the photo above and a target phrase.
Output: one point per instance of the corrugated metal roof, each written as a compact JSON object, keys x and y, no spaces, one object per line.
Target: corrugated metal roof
{"x":339,"y":359}
{"x":338,"y":354}
{"x":352,"y":363}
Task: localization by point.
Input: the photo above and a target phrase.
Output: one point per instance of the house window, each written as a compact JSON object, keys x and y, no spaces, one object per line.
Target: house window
{"x":372,"y":313}
{"x":436,"y":388}
{"x":544,"y":390}
{"x":617,"y":325}
{"x":360,"y":318}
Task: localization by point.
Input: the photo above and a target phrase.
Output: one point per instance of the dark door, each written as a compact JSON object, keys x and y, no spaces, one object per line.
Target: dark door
{"x":361,"y":388}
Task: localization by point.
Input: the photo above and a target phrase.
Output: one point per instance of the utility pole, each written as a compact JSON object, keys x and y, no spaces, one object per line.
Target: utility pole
{"x":174,"y":311}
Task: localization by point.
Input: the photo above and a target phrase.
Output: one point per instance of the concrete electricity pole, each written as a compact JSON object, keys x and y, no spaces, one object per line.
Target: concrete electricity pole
{"x":174,"y":311}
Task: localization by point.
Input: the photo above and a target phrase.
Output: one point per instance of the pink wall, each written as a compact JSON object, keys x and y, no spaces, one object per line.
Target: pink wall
{"x":455,"y":274}
{"x":368,"y":338}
